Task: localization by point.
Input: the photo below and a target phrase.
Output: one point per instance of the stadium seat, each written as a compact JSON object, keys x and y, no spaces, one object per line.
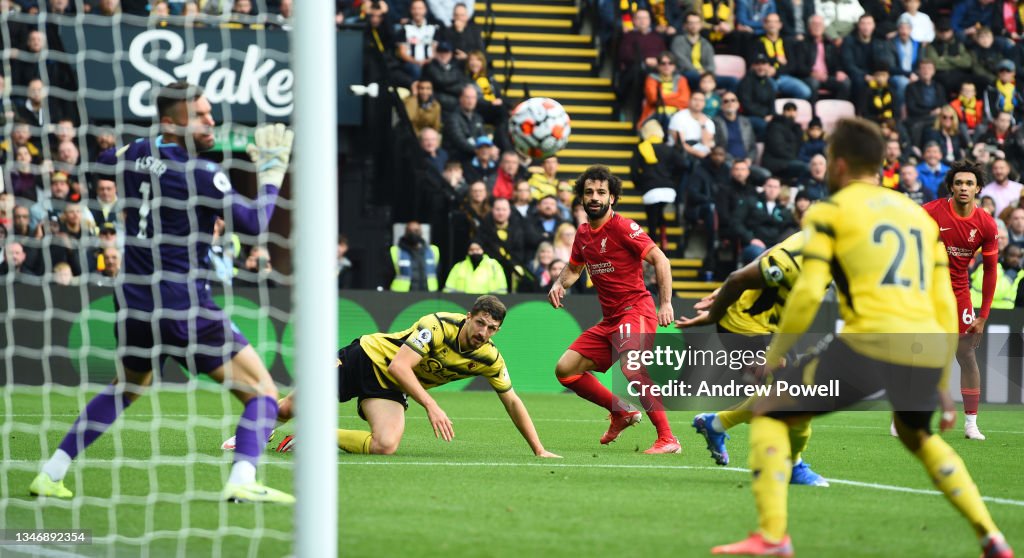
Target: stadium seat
{"x":831,"y":110}
{"x":804,"y":110}
{"x":729,"y":65}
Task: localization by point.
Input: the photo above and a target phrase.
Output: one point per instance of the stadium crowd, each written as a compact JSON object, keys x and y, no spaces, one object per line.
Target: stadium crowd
{"x":726,"y":96}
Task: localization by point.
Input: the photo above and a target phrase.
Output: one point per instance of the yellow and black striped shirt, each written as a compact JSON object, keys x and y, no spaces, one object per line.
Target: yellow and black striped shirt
{"x":435,"y":337}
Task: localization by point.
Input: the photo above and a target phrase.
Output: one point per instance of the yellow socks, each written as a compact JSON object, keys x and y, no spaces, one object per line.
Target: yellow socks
{"x":799,"y":435}
{"x":771,"y":466}
{"x":354,"y":441}
{"x":739,"y":414}
{"x":950,"y":476}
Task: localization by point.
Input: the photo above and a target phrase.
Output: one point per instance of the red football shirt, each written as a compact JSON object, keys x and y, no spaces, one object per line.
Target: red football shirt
{"x":962,"y":237}
{"x":613,"y":254}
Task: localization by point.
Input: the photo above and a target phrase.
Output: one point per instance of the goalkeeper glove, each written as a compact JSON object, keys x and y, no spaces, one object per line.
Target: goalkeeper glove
{"x":270,"y":151}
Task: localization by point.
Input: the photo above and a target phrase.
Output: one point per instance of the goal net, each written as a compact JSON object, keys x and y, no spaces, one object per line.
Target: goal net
{"x":79,"y":80}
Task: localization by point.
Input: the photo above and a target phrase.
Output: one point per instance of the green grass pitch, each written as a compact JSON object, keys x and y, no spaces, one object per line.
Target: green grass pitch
{"x":484,"y":494}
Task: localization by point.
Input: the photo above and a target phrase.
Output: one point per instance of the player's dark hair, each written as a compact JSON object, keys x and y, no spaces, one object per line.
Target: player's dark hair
{"x":599,"y":173}
{"x":172,"y":94}
{"x":964,"y":166}
{"x":489,"y":304}
{"x":859,"y":142}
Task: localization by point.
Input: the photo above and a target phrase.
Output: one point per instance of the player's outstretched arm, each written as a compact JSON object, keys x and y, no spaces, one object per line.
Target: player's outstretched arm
{"x":401,"y":369}
{"x":663,"y":273}
{"x":521,"y":418}
{"x":270,"y":151}
{"x":739,"y":281}
{"x":570,"y":274}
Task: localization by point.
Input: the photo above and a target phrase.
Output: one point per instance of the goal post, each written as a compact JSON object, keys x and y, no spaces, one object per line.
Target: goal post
{"x":315,"y":226}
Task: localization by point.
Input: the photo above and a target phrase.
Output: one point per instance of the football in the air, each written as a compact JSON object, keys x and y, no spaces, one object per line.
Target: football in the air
{"x":539,"y":127}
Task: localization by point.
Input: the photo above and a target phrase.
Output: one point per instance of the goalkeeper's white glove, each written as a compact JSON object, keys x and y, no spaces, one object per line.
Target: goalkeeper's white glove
{"x":270,"y":150}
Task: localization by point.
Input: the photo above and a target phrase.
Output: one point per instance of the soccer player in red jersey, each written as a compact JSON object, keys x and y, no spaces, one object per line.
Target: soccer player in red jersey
{"x":613,"y":250}
{"x":964,"y":228}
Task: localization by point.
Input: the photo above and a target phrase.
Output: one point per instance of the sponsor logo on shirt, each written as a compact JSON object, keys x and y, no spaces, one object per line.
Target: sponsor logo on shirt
{"x":599,"y":269}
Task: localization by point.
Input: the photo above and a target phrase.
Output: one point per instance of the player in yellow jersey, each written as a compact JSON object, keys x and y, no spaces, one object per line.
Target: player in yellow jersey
{"x":381,"y":370}
{"x":890,"y":270}
{"x":746,"y":310}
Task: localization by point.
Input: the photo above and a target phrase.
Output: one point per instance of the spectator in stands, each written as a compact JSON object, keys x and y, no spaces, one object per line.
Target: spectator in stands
{"x":464,"y":35}
{"x":795,"y":15}
{"x":969,"y":109}
{"x":751,"y":14}
{"x":886,"y":14}
{"x":71,"y":239}
{"x":107,"y":237}
{"x":757,"y":95}
{"x":984,"y":155}
{"x":904,"y":53}
{"x":761,"y":221}
{"x":638,"y":56}
{"x":545,"y":183}
{"x":782,"y":145}
{"x":464,"y":126}
{"x":1003,"y":95}
{"x":841,"y":17}
{"x":20,"y":221}
{"x":448,"y":11}
{"x":503,"y":237}
{"x":477,"y":274}
{"x":891,"y":164}
{"x":448,"y":78}
{"x":694,"y":53}
{"x":13,"y":258}
{"x":861,"y":53}
{"x":63,"y":274}
{"x":105,"y":208}
{"x":926,"y":95}
{"x":37,"y":109}
{"x":735,"y":131}
{"x":51,"y":207}
{"x":1015,"y":227}
{"x":655,"y":169}
{"x":23,"y":182}
{"x":819,"y":62}
{"x":712,"y":101}
{"x":782,"y":59}
{"x":417,"y":39}
{"x":801,"y":203}
{"x":1002,"y":190}
{"x":718,"y":25}
{"x":430,"y":143}
{"x":922,"y":28}
{"x":565,"y":236}
{"x":881,"y":103}
{"x":423,"y":109}
{"x":110,"y":8}
{"x":728,"y":196}
{"x":111,"y":264}
{"x":952,"y":59}
{"x":544,"y":222}
{"x":932,"y":171}
{"x":67,"y":157}
{"x":814,"y":141}
{"x":566,"y":196}
{"x":510,"y":172}
{"x":474,"y":208}
{"x":1009,"y":281}
{"x":949,"y":134}
{"x":999,"y":133}
{"x":701,"y":193}
{"x":483,"y":167}
{"x":21,"y":135}
{"x":344,"y":264}
{"x":415,"y":262}
{"x":813,"y":183}
{"x":988,"y":205}
{"x":969,"y":15}
{"x":522,"y":202}
{"x":987,"y":55}
{"x":490,"y":104}
{"x":692,"y":130}
{"x":538,"y":267}
{"x":6,"y":212}
{"x":453,"y":178}
{"x":912,"y":187}
{"x":665,"y":92}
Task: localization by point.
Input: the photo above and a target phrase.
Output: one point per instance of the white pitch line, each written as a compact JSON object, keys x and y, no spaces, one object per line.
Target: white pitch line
{"x":208,"y":460}
{"x":30,"y":550}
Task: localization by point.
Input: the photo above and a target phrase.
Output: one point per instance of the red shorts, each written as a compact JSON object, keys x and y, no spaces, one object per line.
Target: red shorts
{"x":964,"y":310}
{"x":615,"y":336}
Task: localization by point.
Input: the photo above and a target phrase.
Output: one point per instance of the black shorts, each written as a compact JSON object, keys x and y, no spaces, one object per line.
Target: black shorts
{"x":357,"y":380}
{"x":739,"y":342}
{"x":912,"y":391}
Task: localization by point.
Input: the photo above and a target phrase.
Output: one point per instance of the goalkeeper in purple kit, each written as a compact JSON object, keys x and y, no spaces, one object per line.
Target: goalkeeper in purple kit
{"x":164,"y":306}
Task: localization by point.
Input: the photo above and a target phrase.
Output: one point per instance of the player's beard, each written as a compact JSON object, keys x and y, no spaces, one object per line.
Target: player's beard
{"x":595,"y":214}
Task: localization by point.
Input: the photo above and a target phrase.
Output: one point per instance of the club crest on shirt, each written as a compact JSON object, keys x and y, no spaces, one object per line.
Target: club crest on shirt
{"x":970,"y":237}
{"x":604,"y":245}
